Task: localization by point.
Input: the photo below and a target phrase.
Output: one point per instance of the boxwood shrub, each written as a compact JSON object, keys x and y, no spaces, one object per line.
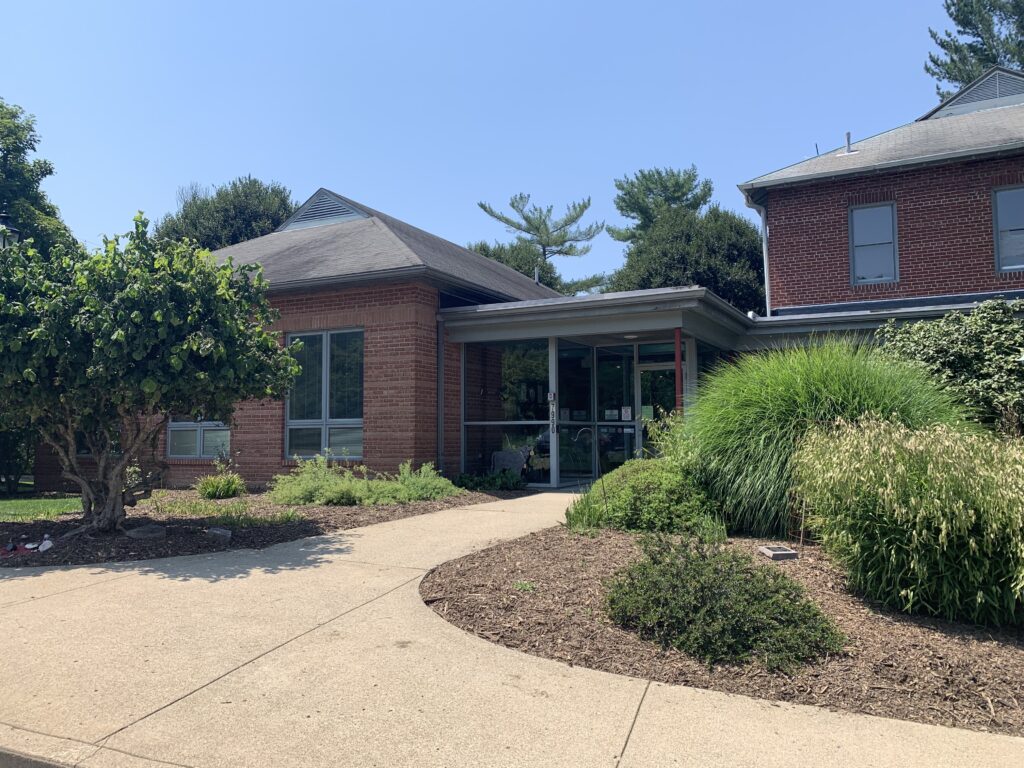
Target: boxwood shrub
{"x":648,"y":495}
{"x":926,"y":521}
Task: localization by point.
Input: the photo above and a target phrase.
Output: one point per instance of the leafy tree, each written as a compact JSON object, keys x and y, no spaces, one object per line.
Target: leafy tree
{"x":650,"y":192}
{"x":988,"y":33}
{"x":20,"y":178}
{"x":551,"y":236}
{"x":99,"y":348}
{"x":231,"y":213}
{"x":717,"y":250}
{"x":979,"y":355}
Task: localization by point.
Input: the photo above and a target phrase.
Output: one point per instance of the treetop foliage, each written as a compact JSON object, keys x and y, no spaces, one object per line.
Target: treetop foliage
{"x":21,"y":196}
{"x":987,"y":33}
{"x":231,"y":213}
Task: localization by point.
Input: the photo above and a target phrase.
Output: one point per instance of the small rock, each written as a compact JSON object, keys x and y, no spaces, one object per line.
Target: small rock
{"x":47,"y":544}
{"x":32,"y":545}
{"x":147,"y":532}
{"x":220,"y":535}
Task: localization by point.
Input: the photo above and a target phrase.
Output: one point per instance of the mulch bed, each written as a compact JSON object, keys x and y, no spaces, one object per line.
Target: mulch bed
{"x":544,"y":594}
{"x":188,"y":536}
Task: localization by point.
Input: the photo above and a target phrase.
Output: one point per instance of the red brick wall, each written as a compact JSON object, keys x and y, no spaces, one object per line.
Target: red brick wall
{"x":399,"y":387}
{"x":944,"y":234}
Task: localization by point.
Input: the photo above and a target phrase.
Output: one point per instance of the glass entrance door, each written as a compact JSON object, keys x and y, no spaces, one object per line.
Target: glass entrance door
{"x":657,"y":394}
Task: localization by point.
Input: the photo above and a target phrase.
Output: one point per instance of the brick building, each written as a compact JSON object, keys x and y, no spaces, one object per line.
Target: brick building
{"x":414,"y":348}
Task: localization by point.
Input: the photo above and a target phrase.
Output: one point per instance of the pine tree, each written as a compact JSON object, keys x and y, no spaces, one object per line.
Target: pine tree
{"x":988,"y":33}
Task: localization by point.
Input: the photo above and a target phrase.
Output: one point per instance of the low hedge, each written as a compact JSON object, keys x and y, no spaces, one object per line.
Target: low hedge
{"x":926,"y":521}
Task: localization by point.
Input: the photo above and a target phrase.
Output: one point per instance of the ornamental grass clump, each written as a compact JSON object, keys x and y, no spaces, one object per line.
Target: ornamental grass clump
{"x":222,"y":484}
{"x":750,"y":415}
{"x":719,"y":606}
{"x":927,"y":521}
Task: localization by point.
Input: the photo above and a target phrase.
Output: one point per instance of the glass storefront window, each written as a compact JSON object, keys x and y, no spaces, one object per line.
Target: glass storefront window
{"x":524,"y":450}
{"x":575,"y":382}
{"x":507,"y":381}
{"x":615,"y":384}
{"x":615,"y":446}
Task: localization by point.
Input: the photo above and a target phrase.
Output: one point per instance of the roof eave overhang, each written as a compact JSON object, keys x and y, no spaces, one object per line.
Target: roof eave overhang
{"x":697,"y":311}
{"x":770,"y":332}
{"x":755,"y":192}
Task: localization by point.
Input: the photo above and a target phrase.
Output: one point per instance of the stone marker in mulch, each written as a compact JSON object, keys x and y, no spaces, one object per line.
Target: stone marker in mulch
{"x":221,"y":535}
{"x":148,"y":532}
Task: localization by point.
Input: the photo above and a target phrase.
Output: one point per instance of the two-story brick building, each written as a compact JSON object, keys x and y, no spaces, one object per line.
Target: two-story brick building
{"x":414,"y":348}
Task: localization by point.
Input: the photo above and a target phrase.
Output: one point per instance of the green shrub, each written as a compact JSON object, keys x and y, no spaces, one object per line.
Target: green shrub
{"x":505,"y":480}
{"x":719,"y":606}
{"x":927,"y":521}
{"x":750,"y":415}
{"x":655,"y":495}
{"x":223,"y":484}
{"x":977,"y":354}
{"x":317,"y":481}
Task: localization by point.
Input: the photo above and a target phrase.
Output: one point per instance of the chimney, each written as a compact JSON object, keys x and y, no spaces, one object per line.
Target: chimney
{"x":849,"y":149}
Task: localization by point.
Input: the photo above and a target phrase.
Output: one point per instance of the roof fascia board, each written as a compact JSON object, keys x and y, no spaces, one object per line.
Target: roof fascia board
{"x":750,"y":188}
{"x":435,"y":278}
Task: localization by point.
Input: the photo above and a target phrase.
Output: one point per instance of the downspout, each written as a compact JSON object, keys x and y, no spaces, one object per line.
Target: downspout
{"x":440,"y":395}
{"x":764,"y":252}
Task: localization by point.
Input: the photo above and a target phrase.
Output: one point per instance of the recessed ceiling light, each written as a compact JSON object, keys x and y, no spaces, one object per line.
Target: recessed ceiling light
{"x":630,"y":336}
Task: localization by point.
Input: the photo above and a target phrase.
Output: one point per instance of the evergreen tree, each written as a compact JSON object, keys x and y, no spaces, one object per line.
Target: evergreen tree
{"x":523,"y":256}
{"x":987,"y":33}
{"x":648,"y":193}
{"x":552,"y":237}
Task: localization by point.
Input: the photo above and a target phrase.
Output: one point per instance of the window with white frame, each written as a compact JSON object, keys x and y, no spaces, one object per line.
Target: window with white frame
{"x":191,"y":439}
{"x":325,"y":406}
{"x":873,"y":244}
{"x":1008,"y":215}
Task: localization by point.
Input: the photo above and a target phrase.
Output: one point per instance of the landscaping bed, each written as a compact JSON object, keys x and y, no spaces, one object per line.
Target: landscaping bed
{"x":545,"y":594}
{"x":186,"y":519}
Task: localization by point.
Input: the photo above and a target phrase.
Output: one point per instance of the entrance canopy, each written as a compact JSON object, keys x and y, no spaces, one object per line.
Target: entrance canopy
{"x":560,"y":391}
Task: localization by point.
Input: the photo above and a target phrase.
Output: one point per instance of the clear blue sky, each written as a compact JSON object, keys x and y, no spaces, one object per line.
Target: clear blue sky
{"x":422,"y":109}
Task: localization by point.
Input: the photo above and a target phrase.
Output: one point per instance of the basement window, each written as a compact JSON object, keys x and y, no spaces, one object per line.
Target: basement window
{"x":325,"y":406}
{"x":873,"y":256}
{"x":1008,"y":221}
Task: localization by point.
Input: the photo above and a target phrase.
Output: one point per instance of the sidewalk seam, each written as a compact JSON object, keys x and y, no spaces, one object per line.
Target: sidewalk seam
{"x":632,"y":725}
{"x":64,"y":591}
{"x":103,"y":740}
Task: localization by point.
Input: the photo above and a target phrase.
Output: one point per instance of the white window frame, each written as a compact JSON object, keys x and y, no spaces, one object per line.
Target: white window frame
{"x":895,"y":246}
{"x":200,"y":427}
{"x":324,"y":423}
{"x":995,"y":230}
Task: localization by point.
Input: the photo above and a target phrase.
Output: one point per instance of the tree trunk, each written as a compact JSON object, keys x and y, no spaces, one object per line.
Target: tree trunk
{"x":107,"y":501}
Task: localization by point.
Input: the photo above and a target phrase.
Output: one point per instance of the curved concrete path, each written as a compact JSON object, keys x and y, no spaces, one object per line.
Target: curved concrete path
{"x":320,"y":653}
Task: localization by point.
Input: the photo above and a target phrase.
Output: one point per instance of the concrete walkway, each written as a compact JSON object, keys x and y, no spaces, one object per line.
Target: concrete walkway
{"x":321,"y":653}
